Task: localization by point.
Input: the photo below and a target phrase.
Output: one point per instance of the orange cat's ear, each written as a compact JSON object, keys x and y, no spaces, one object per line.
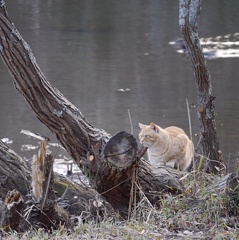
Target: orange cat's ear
{"x":153,"y":127}
{"x":141,"y":126}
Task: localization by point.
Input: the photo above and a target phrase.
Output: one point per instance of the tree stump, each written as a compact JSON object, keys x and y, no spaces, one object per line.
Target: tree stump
{"x":115,"y":177}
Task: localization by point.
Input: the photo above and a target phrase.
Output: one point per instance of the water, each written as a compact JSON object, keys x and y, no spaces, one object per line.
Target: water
{"x":91,"y":50}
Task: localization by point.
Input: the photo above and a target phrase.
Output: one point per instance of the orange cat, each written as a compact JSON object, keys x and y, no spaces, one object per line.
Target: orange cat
{"x":170,"y":146}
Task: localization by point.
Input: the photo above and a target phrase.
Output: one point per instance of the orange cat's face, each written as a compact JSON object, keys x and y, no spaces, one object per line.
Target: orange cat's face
{"x":148,"y":134}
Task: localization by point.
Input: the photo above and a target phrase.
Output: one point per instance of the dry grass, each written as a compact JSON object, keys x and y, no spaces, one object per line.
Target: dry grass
{"x":196,"y":214}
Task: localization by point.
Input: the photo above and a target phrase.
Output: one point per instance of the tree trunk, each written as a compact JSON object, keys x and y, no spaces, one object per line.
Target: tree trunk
{"x":111,"y":169}
{"x":189,"y":12}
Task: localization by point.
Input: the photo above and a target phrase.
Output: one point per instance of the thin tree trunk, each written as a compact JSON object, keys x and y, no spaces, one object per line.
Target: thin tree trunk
{"x":189,"y":11}
{"x":111,"y":169}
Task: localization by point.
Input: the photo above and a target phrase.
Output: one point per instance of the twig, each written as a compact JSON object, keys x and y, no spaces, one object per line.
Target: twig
{"x":42,"y":212}
{"x":189,"y":120}
{"x":114,"y":187}
{"x":150,"y":204}
{"x":190,"y":132}
{"x":64,"y":193}
{"x":131,"y":199}
{"x":23,"y":217}
{"x":131,"y":124}
{"x":141,"y":152}
{"x":47,"y":188}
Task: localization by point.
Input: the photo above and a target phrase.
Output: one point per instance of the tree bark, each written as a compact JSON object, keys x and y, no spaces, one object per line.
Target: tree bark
{"x":109,"y":168}
{"x":189,"y":11}
{"x":14,"y":172}
{"x":15,"y":182}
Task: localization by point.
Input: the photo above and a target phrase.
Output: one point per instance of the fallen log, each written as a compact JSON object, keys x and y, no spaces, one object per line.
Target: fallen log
{"x":62,"y":201}
{"x":77,"y":200}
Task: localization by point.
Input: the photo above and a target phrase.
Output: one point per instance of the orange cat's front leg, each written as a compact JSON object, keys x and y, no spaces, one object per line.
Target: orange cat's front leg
{"x":171,"y":163}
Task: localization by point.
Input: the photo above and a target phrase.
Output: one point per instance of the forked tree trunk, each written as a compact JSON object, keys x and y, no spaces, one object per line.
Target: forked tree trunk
{"x":189,"y":12}
{"x":111,"y":168}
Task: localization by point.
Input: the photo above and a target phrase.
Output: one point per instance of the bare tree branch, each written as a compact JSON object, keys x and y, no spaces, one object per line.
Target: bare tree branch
{"x":72,"y":129}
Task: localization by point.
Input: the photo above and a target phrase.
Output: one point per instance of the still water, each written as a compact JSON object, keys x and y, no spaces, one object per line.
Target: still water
{"x":111,"y":58}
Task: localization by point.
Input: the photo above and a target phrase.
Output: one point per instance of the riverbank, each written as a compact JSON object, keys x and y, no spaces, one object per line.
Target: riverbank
{"x":198,"y":213}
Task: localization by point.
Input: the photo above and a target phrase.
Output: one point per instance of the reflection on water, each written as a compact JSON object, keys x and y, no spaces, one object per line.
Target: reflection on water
{"x":91,"y":49}
{"x":214,"y":47}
